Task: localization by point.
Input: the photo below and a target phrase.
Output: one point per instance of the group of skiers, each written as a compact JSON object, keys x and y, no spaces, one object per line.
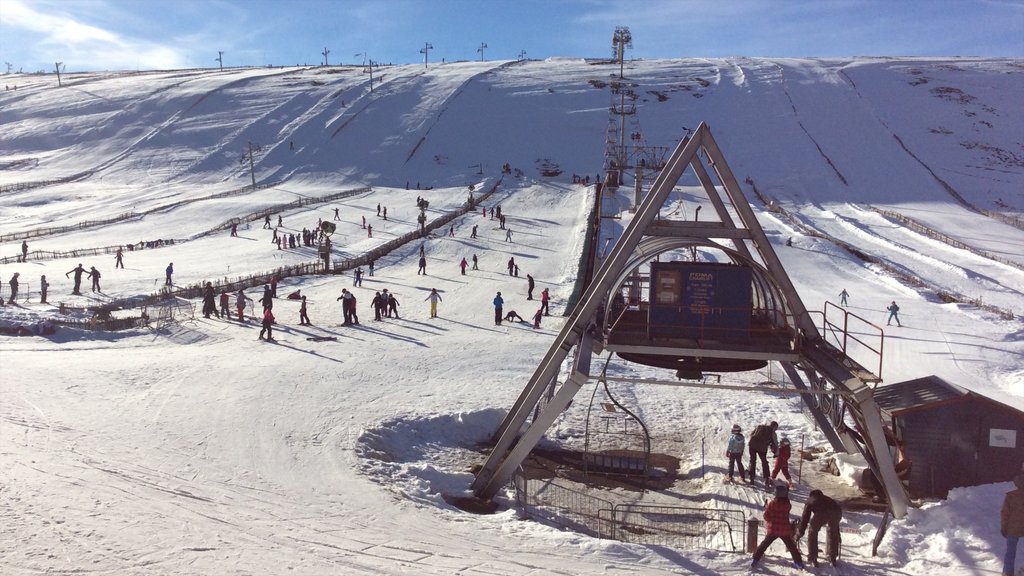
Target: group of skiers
{"x":819,"y":510}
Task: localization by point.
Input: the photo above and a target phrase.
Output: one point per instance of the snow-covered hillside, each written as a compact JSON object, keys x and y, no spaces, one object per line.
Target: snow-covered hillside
{"x":199,"y":449}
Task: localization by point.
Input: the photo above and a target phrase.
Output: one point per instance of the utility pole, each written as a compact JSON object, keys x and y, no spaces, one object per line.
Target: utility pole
{"x":426,"y":49}
{"x":522,"y":54}
{"x":8,"y":67}
{"x":481,"y":50}
{"x":621,"y":40}
{"x":325,"y":53}
{"x":220,"y":58}
{"x":57,"y":66}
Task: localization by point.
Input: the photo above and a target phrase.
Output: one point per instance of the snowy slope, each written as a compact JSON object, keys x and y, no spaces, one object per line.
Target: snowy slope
{"x":198,"y":449}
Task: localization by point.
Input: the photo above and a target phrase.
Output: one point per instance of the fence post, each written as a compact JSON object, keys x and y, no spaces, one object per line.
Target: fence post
{"x":752,"y":527}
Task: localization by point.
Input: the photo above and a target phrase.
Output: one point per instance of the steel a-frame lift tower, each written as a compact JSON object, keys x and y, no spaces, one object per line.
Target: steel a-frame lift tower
{"x":790,"y":336}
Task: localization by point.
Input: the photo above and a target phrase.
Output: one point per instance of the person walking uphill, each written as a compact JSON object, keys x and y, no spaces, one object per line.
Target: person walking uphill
{"x":498,"y":303}
{"x":434,"y":297}
{"x":820,"y":510}
{"x":1011,"y":523}
{"x":734,"y":452}
{"x":778,"y":526}
{"x":79,"y":270}
{"x":761,"y":439}
{"x":268,"y":325}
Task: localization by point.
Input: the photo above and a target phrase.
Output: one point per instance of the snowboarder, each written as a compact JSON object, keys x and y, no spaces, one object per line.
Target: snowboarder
{"x":544,"y":298}
{"x":782,"y":461}
{"x":536,"y":317}
{"x":498,"y":303}
{"x":529,"y":287}
{"x":843,"y":296}
{"x":169,"y":271}
{"x":268,"y":325}
{"x":119,"y":259}
{"x":423,"y":266}
{"x":893,"y":314}
{"x":14,"y":287}
{"x":463,"y":265}
{"x":778,"y":526}
{"x":1011,"y":523}
{"x":761,"y":439}
{"x":734,"y":452}
{"x":78,"y":270}
{"x":43,"y":286}
{"x":820,"y":510}
{"x":240,"y":301}
{"x":209,"y":304}
{"x":474,"y":262}
{"x":434,"y":297}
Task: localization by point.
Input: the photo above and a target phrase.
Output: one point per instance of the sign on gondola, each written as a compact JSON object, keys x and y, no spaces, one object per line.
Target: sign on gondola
{"x":700,"y":300}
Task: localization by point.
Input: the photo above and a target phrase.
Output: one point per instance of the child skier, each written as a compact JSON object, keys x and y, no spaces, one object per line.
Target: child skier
{"x":734,"y":452}
{"x":782,"y":461}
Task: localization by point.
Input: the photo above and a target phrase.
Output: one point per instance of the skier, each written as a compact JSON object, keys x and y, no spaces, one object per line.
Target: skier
{"x":392,"y":306}
{"x":529,"y":287}
{"x":43,"y":286}
{"x":451,"y":231}
{"x":434,"y":297}
{"x":423,"y":266}
{"x":268,"y":298}
{"x":266,"y":223}
{"x":473,"y":233}
{"x":463,"y":265}
{"x":268,"y":325}
{"x":209,"y":304}
{"x":536,"y":317}
{"x":118,"y":259}
{"x":14,"y":287}
{"x":843,"y":296}
{"x":498,"y":303}
{"x":346,"y":306}
{"x":474,"y":262}
{"x":511,"y":265}
{"x":894,"y":314}
{"x":169,"y":271}
{"x":761,"y":439}
{"x":820,"y":510}
{"x":357,"y":277}
{"x":240,"y":300}
{"x":544,"y":298}
{"x":512,"y":315}
{"x":336,"y":216}
{"x":378,"y":305}
{"x":94,"y":275}
{"x":79,"y":270}
{"x":778,"y":526}
{"x":734,"y":452}
{"x":782,"y":461}
{"x":508,"y":235}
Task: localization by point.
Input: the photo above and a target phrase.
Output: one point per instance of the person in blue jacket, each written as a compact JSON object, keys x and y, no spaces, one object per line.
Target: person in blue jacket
{"x":734,"y":451}
{"x":498,"y":303}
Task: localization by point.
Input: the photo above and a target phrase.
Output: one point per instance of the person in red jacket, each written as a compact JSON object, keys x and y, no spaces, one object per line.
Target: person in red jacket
{"x":782,"y":461}
{"x":778,"y":527}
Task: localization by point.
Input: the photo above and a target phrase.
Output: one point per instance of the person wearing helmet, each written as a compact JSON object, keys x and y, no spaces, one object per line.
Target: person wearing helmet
{"x":734,"y":452}
{"x":499,"y":302}
{"x":761,"y":439}
{"x":782,"y":461}
{"x":778,"y":527}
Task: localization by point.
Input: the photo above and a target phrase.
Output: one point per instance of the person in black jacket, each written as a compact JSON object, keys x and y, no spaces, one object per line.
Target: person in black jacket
{"x":761,"y":439}
{"x":820,"y":510}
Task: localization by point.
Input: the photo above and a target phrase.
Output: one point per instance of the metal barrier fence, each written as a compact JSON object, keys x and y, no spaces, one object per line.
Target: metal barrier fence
{"x":550,"y":501}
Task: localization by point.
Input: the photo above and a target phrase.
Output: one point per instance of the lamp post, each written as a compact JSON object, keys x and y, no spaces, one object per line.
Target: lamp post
{"x":425,"y":51}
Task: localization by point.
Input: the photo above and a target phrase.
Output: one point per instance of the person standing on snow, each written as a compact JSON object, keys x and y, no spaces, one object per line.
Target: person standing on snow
{"x":734,"y":452}
{"x":14,"y":287}
{"x":43,"y":286}
{"x":268,"y":325}
{"x":24,"y":251}
{"x":423,"y":266}
{"x":778,"y":526}
{"x":119,"y":259}
{"x":529,"y":287}
{"x":378,"y":305}
{"x":346,"y":306}
{"x":498,"y":303}
{"x":392,"y":306}
{"x":782,"y":461}
{"x":761,"y":439}
{"x":1011,"y":523}
{"x":536,"y":318}
{"x":474,"y":262}
{"x":508,"y":235}
{"x":434,"y":297}
{"x":209,"y":302}
{"x":240,"y":301}
{"x":820,"y":510}
{"x":79,"y":270}
{"x":225,"y":301}
{"x":511,"y":264}
{"x":894,"y":313}
{"x":169,"y":271}
{"x":303,"y":316}
{"x":544,"y":298}
{"x":463,"y":265}
{"x":843,"y":296}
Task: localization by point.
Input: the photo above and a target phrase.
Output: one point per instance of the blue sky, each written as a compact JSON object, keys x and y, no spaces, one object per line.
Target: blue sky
{"x":162,"y":34}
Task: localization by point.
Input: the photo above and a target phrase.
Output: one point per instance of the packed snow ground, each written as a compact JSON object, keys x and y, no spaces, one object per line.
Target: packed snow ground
{"x":199,"y":449}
